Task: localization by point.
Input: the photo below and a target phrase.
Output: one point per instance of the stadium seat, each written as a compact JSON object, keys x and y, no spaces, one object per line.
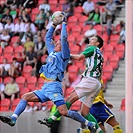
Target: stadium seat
{"x":53,"y":2}
{"x":75,"y":49}
{"x":85,"y":28}
{"x":49,"y":104}
{"x":68,"y":91}
{"x":23,"y":91}
{"x":40,"y":82}
{"x":82,"y":20}
{"x":7,"y":80}
{"x":43,"y":58}
{"x":99,"y":29}
{"x":79,"y":63}
{"x":56,"y":38}
{"x":14,"y":103}
{"x":14,"y":39}
{"x":122,"y":105}
{"x":114,"y":38}
{"x":31,"y":82}
{"x":108,"y":72}
{"x":27,"y":71}
{"x":18,"y":53}
{"x":33,"y":17}
{"x":76,"y":30}
{"x":73,"y":72}
{"x":71,"y":38}
{"x":114,"y":61}
{"x":72,"y":21}
{"x":1,"y":80}
{"x":1,"y":59}
{"x":31,"y":104}
{"x":78,"y":38}
{"x":120,"y":51}
{"x":76,"y":106}
{"x":8,"y":51}
{"x":9,"y":58}
{"x":1,"y":51}
{"x":5,"y":104}
{"x":104,"y":82}
{"x":35,"y":11}
{"x":108,"y":50}
{"x":20,"y":81}
{"x":78,"y":9}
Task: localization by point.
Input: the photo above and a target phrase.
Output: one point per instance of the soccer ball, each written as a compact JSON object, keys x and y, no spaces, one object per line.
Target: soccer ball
{"x":57,"y":17}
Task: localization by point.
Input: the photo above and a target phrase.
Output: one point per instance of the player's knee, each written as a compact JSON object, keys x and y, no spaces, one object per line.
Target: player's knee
{"x":63,"y":112}
{"x":24,"y":97}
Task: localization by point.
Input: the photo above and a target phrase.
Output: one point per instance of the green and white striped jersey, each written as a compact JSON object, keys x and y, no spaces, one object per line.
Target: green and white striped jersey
{"x":94,"y":62}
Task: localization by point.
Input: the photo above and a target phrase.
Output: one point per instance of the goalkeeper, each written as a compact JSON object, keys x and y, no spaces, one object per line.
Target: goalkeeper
{"x":53,"y":73}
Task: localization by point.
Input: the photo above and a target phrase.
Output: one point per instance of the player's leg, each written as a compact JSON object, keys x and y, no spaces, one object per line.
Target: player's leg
{"x":116,"y":127}
{"x":61,"y":106}
{"x":27,"y":97}
{"x":84,"y":111}
{"x":102,"y":127}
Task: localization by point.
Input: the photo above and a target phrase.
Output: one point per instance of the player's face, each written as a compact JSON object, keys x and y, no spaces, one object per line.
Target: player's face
{"x":57,"y":46}
{"x":93,"y":41}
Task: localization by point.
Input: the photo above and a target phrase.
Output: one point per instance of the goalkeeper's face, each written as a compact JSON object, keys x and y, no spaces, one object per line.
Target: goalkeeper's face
{"x":57,"y":46}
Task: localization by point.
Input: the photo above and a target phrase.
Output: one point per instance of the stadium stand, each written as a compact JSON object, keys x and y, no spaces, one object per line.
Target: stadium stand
{"x":113,"y":52}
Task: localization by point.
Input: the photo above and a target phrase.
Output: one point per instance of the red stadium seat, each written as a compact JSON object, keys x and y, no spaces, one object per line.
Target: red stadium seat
{"x":71,"y":39}
{"x":82,"y":20}
{"x":78,"y":9}
{"x":76,"y":30}
{"x":108,"y":50}
{"x":114,"y":61}
{"x":108,"y":72}
{"x":14,"y":39}
{"x":49,"y":105}
{"x":5,"y":104}
{"x":99,"y":29}
{"x":20,"y":81}
{"x":120,"y":51}
{"x":123,"y":105}
{"x":15,"y":103}
{"x":18,"y":53}
{"x":79,"y":38}
{"x":40,"y":82}
{"x":61,"y":2}
{"x":75,"y":49}
{"x":68,"y":91}
{"x":27,"y":71}
{"x":9,"y":58}
{"x":23,"y":91}
{"x":1,"y":50}
{"x":7,"y":80}
{"x":8,"y":51}
{"x":73,"y":72}
{"x":43,"y":58}
{"x":72,"y":21}
{"x":76,"y":105}
{"x":31,"y":82}
{"x":35,"y":10}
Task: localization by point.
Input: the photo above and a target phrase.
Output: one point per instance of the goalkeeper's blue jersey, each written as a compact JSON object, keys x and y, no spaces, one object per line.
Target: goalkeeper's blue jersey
{"x":56,"y":62}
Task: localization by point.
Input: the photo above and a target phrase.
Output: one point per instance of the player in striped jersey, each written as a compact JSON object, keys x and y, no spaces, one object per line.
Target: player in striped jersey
{"x":89,"y":85}
{"x":100,"y":110}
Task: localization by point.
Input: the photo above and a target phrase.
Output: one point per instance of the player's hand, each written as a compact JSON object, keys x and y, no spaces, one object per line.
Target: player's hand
{"x":109,"y":105}
{"x":65,"y":18}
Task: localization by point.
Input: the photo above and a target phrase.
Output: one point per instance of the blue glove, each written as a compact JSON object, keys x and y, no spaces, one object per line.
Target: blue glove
{"x":65,"y":18}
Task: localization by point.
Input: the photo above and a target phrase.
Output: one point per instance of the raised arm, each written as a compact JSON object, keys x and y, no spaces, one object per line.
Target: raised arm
{"x":65,"y":47}
{"x":49,"y":42}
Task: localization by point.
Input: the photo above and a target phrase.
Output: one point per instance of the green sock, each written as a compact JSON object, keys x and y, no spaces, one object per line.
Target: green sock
{"x":57,"y":113}
{"x":90,"y":117}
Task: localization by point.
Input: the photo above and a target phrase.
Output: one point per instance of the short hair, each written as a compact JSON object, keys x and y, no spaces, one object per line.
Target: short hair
{"x":100,"y":40}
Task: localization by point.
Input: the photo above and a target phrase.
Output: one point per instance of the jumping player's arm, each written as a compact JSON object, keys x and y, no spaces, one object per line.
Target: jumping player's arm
{"x":49,"y":42}
{"x":65,"y":51}
{"x":86,"y":53}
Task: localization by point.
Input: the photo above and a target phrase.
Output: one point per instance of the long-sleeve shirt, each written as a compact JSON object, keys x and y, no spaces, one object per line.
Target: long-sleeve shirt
{"x":56,"y":62}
